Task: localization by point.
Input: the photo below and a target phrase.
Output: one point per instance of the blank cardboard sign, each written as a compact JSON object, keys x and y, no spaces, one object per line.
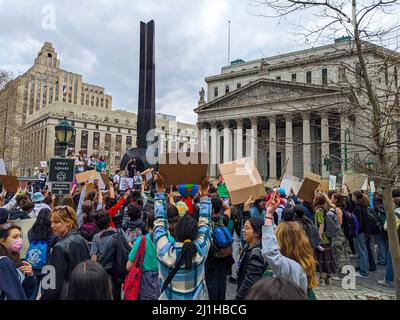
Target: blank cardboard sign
{"x":242,"y":180}
{"x":308,"y":187}
{"x":10,"y":183}
{"x":181,"y":168}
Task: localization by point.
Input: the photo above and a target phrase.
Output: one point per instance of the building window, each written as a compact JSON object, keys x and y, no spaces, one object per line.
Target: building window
{"x":358,"y":73}
{"x":84,"y":140}
{"x":386,"y":75}
{"x":119,"y":130}
{"x":324,"y":77}
{"x":108,"y":128}
{"x":226,"y":89}
{"x":118,"y":143}
{"x":96,"y":140}
{"x":85,"y":125}
{"x":238,"y":85}
{"x":97,"y":126}
{"x":341,"y":74}
{"x":215,"y":92}
{"x":107,"y":142}
{"x":128,"y":142}
{"x":294,"y":77}
{"x":308,"y":77}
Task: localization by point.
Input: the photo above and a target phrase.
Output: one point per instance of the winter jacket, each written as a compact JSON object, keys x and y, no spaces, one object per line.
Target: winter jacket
{"x":251,"y":269}
{"x":360,"y":212}
{"x":65,"y":256}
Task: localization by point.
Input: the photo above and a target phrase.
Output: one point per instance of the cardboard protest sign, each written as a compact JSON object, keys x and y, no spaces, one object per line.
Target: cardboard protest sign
{"x":10,"y":183}
{"x":332,"y":182}
{"x":182,"y":168}
{"x":147,"y":174}
{"x":323,"y":186}
{"x":105,"y":178}
{"x":90,"y":176}
{"x":3,"y":171}
{"x":242,"y":180}
{"x":310,"y":184}
{"x":43,"y":164}
{"x":354,"y":181}
{"x":125,"y":183}
{"x":288,"y":182}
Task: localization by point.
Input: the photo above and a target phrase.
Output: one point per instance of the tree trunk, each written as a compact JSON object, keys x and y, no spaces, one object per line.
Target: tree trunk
{"x":394,"y":245}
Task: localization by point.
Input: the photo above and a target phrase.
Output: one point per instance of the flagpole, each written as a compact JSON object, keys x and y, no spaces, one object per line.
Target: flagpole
{"x":229,"y":42}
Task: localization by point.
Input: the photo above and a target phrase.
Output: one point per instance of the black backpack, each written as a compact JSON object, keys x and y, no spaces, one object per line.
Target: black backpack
{"x":350,"y":224}
{"x":372,"y":225}
{"x":120,"y":260}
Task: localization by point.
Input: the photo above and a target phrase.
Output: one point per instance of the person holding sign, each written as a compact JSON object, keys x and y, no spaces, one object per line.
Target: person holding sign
{"x":181,"y":263}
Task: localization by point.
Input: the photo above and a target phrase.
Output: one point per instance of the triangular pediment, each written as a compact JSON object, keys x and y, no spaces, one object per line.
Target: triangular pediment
{"x":267,"y":90}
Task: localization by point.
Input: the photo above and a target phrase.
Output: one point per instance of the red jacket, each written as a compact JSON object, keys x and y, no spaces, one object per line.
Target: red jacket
{"x":114,"y":210}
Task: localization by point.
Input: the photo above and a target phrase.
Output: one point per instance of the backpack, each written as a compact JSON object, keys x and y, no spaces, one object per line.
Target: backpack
{"x":313,"y":234}
{"x":37,"y":254}
{"x":221,"y":239}
{"x":120,"y":260}
{"x":133,"y":233}
{"x":350,"y":225}
{"x":131,"y":286}
{"x":372,"y":225}
{"x":331,"y":224}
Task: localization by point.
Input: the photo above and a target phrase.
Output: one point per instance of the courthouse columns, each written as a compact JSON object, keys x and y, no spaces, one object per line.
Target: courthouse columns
{"x":345,"y":139}
{"x":213,"y":150}
{"x":254,"y":140}
{"x":227,"y":141}
{"x":272,"y":148}
{"x":289,"y":145}
{"x":325,"y":143}
{"x":306,"y":142}
{"x":239,"y":139}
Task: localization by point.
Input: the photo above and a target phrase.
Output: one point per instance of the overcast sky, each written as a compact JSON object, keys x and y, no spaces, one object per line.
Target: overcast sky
{"x":100,"y":40}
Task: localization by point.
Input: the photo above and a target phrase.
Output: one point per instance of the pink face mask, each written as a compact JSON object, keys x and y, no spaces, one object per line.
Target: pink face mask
{"x":16,"y":245}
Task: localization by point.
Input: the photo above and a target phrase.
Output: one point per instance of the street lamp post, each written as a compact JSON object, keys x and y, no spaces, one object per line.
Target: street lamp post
{"x":64,"y":133}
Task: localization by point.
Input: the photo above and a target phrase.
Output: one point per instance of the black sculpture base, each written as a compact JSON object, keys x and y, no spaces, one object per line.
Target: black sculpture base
{"x":140,"y":155}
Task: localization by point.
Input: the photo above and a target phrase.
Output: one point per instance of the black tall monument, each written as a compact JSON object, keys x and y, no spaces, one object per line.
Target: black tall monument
{"x":146,"y":118}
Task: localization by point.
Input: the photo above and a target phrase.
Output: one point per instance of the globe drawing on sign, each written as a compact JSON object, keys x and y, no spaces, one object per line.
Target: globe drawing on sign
{"x":34,"y":257}
{"x":61,"y":176}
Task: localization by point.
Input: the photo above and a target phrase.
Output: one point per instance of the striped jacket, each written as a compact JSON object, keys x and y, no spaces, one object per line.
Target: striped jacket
{"x":188,"y":284}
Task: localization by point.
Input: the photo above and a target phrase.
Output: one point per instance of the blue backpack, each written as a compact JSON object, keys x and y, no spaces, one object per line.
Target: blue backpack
{"x":222,"y":239}
{"x":37,"y":254}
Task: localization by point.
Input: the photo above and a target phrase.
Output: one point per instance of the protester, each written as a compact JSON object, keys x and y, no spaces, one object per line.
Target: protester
{"x":69,"y":251}
{"x":91,"y":164}
{"x":381,"y":239}
{"x":251,"y":265}
{"x":360,"y":242}
{"x":289,"y":253}
{"x":131,"y":167}
{"x":339,"y":243}
{"x":23,"y":209}
{"x":149,"y":285}
{"x":326,"y":260}
{"x":219,"y":260}
{"x":181,"y":263}
{"x":276,"y":288}
{"x":38,"y":200}
{"x":89,"y":281}
{"x":101,"y":165}
{"x":17,"y":281}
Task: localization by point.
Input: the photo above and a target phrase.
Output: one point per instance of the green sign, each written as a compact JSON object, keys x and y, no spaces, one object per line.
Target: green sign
{"x":60,"y":189}
{"x":61,"y":170}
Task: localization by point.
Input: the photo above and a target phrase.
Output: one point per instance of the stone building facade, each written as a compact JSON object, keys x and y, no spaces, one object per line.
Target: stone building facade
{"x":294,"y":108}
{"x":34,"y":103}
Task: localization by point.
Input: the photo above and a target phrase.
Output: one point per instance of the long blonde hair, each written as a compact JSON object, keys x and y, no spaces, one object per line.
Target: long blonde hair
{"x":67,"y":215}
{"x":294,"y":244}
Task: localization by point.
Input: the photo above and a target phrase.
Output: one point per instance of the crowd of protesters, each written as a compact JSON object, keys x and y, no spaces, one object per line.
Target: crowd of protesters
{"x":153,"y":242}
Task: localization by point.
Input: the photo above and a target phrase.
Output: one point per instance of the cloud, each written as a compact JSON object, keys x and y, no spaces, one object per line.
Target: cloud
{"x":100,"y":40}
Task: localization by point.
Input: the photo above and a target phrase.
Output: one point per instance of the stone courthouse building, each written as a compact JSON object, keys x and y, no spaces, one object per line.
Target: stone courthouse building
{"x":35,"y":102}
{"x":293,"y":108}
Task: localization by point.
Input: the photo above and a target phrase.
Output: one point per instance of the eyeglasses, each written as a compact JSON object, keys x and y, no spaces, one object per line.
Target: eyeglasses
{"x":64,"y":208}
